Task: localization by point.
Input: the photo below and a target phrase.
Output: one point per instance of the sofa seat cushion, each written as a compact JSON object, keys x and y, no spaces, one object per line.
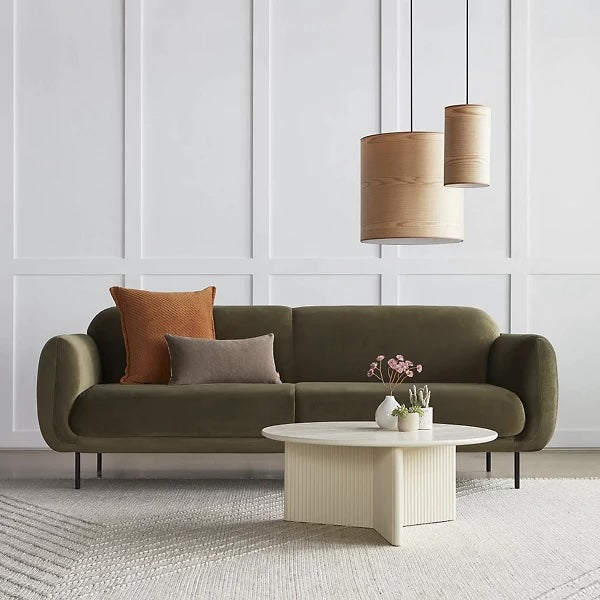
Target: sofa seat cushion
{"x":476,"y":404}
{"x":207,"y":410}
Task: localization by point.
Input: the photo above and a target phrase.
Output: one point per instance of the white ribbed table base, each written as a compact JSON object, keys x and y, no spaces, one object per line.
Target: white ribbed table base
{"x":382,"y":488}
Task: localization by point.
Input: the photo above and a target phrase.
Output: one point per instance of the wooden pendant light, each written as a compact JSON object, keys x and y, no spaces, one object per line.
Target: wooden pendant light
{"x":467,"y":129}
{"x":403,"y":199}
{"x":467,"y":145}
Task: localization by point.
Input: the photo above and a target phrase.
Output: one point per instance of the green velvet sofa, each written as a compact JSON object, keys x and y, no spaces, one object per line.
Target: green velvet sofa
{"x":477,"y":377}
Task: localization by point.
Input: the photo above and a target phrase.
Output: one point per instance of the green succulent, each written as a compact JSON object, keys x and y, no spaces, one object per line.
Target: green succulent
{"x":403,"y":411}
{"x":419,"y":396}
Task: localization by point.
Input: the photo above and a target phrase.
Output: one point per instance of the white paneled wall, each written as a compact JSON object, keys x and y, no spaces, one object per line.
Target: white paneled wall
{"x":323,"y":290}
{"x":196,"y":128}
{"x":174,"y":144}
{"x":232,"y":289}
{"x":564,"y":129}
{"x":325,"y":96}
{"x":68,"y":128}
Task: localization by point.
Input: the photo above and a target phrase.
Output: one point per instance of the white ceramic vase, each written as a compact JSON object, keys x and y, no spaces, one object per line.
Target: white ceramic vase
{"x":383,"y":414}
{"x":426,"y":421}
{"x":409,"y":423}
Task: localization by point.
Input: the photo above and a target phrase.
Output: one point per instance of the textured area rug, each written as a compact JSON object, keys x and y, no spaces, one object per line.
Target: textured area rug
{"x":226,"y":539}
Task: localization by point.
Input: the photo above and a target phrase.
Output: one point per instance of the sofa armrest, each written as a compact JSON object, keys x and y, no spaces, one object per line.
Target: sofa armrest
{"x":69,"y":364}
{"x":526,"y":365}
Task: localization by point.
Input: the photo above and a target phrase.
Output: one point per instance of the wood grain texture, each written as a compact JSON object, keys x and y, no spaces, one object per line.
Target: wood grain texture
{"x":403,"y":200}
{"x":467,"y":145}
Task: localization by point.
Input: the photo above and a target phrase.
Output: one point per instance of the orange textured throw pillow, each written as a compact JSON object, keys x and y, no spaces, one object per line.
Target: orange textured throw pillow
{"x":147,"y":316}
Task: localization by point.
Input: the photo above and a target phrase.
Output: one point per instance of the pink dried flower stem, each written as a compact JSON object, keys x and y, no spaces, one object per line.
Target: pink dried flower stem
{"x":398,"y":371}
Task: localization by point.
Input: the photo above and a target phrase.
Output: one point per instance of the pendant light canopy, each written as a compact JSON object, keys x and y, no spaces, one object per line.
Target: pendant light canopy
{"x":467,"y":138}
{"x":403,"y":200}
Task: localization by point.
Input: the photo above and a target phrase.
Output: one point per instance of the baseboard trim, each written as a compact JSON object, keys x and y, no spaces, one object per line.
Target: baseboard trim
{"x":576,"y":438}
{"x":48,"y":464}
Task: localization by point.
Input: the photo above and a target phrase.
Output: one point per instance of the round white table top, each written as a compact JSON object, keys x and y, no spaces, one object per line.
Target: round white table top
{"x":367,"y":433}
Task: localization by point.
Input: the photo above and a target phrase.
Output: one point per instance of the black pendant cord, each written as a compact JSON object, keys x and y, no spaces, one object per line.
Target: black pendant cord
{"x":467,"y":54}
{"x":411,"y":65}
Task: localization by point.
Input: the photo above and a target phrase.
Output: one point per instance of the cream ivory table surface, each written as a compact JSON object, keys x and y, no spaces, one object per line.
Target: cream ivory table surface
{"x":354,"y":473}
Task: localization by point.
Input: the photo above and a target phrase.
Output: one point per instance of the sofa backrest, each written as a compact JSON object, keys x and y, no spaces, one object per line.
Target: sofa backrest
{"x":337,"y":343}
{"x":235,"y":322}
{"x":106,"y":330}
{"x":231,"y":322}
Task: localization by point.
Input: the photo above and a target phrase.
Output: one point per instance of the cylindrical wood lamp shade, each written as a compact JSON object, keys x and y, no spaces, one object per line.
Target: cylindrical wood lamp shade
{"x":467,"y":145}
{"x":403,"y":199}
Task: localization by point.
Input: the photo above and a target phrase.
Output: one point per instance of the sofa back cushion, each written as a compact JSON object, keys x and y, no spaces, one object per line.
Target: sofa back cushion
{"x":231,"y":322}
{"x":337,"y":343}
{"x":237,"y":322}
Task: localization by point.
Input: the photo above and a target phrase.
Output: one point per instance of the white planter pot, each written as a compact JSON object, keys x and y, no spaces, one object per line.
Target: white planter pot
{"x":383,"y":414}
{"x":409,"y":423}
{"x":426,"y":421}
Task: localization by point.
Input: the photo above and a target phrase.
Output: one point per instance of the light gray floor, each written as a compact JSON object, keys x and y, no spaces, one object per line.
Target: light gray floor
{"x":48,"y":464}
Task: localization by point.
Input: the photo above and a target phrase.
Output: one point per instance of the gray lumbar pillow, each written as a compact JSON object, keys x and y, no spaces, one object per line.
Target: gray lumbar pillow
{"x":197,"y":360}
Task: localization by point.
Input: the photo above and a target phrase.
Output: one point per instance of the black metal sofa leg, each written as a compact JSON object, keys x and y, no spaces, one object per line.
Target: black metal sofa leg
{"x":517,"y":470}
{"x":488,"y":462}
{"x":77,"y":470}
{"x":99,"y":465}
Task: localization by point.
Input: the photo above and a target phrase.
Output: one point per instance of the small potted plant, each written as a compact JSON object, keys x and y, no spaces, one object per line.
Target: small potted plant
{"x":408,"y":417}
{"x":398,"y":369}
{"x":420,"y":397}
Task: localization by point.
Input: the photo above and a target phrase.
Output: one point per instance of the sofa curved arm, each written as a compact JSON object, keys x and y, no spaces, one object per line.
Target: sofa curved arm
{"x":69,"y":364}
{"x":526,"y":365}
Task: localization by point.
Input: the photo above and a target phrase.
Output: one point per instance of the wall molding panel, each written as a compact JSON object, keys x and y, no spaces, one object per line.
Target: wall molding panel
{"x":203,"y":144}
{"x":261,"y":145}
{"x":7,"y":191}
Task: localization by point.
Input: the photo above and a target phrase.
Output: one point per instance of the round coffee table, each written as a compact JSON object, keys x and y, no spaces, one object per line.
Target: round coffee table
{"x":354,"y":473}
